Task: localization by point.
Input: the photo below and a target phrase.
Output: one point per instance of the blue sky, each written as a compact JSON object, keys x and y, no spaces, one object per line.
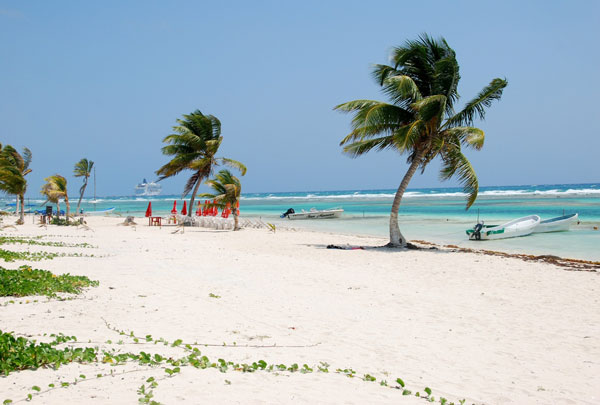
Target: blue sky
{"x":107,"y":80}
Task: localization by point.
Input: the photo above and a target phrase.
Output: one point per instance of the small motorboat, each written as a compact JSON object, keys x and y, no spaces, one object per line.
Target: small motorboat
{"x":517,"y":227}
{"x":557,"y":224}
{"x":313,"y":213}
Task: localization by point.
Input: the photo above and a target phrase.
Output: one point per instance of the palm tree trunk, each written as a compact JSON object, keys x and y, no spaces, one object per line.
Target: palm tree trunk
{"x":22,"y":216}
{"x":17,"y":204}
{"x":396,"y":237}
{"x":193,"y":197}
{"x":81,"y":195}
{"x":68,"y":207}
{"x":57,"y":211}
{"x":236,"y":224}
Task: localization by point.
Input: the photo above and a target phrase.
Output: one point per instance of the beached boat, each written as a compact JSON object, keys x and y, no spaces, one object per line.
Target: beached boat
{"x":518,"y":227}
{"x":557,"y":224}
{"x":313,"y":213}
{"x":100,"y":212}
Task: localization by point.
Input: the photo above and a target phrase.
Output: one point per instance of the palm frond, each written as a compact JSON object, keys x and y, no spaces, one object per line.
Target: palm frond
{"x":430,"y":108}
{"x":470,"y":136}
{"x":381,"y":72}
{"x":477,"y":106}
{"x":27,"y":157}
{"x":455,"y":163}
{"x":402,"y":89}
{"x":189,"y":185}
{"x":361,"y":147}
{"x":234,"y":164}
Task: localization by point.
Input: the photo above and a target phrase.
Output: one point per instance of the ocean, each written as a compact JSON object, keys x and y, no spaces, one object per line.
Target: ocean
{"x":433,"y":214}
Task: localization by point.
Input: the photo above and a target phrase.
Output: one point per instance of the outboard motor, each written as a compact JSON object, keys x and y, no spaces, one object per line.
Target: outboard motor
{"x":288,"y":212}
{"x":477,"y":231}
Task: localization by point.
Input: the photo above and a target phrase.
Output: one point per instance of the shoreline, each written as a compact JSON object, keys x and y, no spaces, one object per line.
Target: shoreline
{"x":491,"y":329}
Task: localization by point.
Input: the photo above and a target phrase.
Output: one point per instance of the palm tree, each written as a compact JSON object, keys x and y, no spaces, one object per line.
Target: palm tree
{"x":193,"y":146}
{"x":55,"y":189}
{"x":420,"y":120}
{"x":13,"y":169}
{"x":227,"y":189}
{"x":83,"y":168}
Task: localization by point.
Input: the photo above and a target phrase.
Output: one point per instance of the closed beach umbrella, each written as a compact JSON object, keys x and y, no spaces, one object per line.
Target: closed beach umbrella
{"x":174,"y":210}
{"x":184,"y":210}
{"x":149,"y":210}
{"x":199,"y":210}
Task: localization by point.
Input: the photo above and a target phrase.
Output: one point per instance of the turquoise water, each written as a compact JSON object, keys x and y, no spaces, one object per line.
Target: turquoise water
{"x":433,"y":214}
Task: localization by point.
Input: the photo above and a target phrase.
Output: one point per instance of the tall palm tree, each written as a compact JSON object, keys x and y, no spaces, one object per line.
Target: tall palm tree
{"x":227,"y":189}
{"x":420,"y":120}
{"x":55,"y":189}
{"x":193,"y":146}
{"x":14,"y":167}
{"x":83,"y":168}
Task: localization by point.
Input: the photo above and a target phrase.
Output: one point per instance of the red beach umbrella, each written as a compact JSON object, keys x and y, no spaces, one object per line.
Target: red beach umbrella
{"x":149,"y":210}
{"x":174,"y":210}
{"x":184,"y":210}
{"x":199,"y":210}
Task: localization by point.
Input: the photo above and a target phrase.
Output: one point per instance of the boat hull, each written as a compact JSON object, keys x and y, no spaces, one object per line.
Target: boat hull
{"x":325,"y":214}
{"x":513,"y":229}
{"x":558,"y":224}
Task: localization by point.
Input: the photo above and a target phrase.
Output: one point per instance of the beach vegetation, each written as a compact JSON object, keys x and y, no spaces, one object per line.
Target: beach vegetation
{"x":19,"y":353}
{"x":194,"y":147}
{"x":54,"y":190}
{"x":83,"y":168}
{"x":14,"y":166}
{"x":227,"y":192}
{"x":36,"y":241}
{"x":420,"y":120}
{"x":26,"y":281}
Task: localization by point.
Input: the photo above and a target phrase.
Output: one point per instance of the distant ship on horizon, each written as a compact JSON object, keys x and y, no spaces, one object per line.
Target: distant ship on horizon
{"x":148,"y":189}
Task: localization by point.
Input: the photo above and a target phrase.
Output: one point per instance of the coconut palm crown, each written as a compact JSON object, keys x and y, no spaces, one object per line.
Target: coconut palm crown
{"x":194,"y":146}
{"x":228,"y":190}
{"x":420,"y":119}
{"x":83,"y":168}
{"x":54,"y":189}
{"x":13,"y":169}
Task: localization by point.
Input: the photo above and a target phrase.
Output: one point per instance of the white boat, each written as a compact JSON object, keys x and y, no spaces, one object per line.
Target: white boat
{"x":148,"y":189}
{"x":100,"y":212}
{"x":517,"y":227}
{"x":556,"y":224}
{"x":314,"y":213}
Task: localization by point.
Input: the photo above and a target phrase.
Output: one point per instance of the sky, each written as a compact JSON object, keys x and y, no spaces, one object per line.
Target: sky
{"x":107,"y":80}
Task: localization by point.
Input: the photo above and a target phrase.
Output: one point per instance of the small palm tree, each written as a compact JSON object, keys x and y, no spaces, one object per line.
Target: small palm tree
{"x":83,"y":168}
{"x":420,"y":120}
{"x":193,"y":146}
{"x":13,"y":169}
{"x":227,"y":189}
{"x":55,"y":189}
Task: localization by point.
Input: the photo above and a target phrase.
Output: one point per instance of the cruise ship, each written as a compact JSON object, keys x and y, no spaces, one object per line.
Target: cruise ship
{"x":144,"y":188}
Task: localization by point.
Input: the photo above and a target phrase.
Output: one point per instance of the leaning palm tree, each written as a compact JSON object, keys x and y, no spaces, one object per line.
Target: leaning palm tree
{"x":193,"y":146}
{"x":227,"y":189}
{"x":15,"y":177}
{"x":83,"y":168}
{"x":13,"y":182}
{"x":420,"y":120}
{"x":55,"y":189}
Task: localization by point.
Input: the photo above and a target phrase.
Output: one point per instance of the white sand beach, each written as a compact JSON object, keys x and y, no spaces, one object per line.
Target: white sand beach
{"x":491,"y":330}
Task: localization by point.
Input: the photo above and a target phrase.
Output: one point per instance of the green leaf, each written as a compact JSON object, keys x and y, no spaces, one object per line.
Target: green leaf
{"x":36,"y":388}
{"x":399,"y":381}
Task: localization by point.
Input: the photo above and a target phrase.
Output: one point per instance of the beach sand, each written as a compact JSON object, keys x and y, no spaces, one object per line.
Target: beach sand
{"x":492,"y":330}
